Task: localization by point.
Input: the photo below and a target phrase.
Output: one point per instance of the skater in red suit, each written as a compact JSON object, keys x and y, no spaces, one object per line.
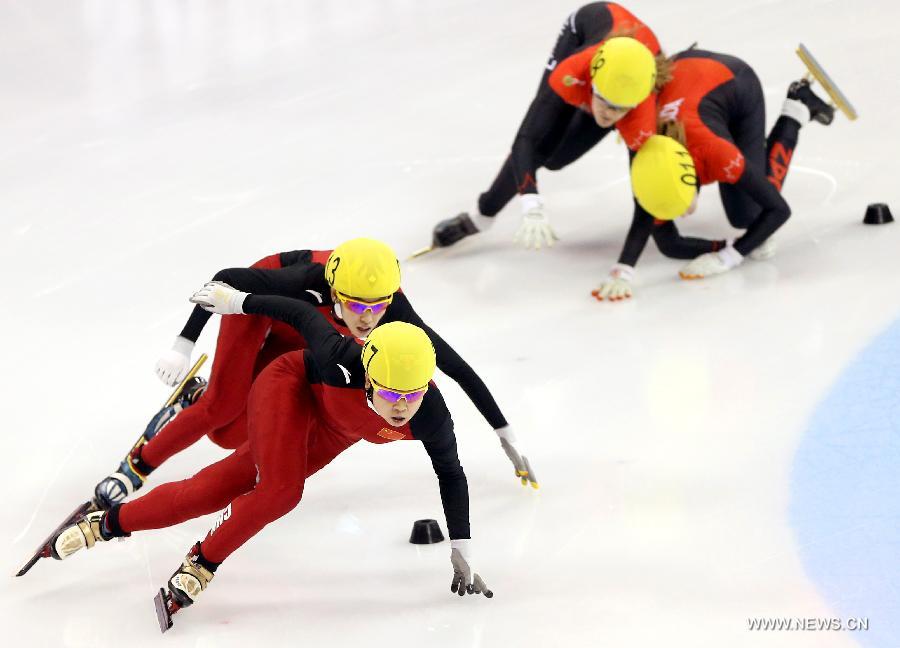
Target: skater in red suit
{"x":304,"y":409}
{"x":356,"y":286}
{"x":714,"y":106}
{"x":601,"y":76}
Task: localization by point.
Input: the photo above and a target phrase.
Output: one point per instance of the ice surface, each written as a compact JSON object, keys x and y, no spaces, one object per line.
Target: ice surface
{"x":145,"y":145}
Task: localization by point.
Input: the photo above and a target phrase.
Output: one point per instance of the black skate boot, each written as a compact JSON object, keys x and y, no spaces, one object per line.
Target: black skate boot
{"x":453,"y":230}
{"x":133,"y":471}
{"x":819,"y":110}
{"x":192,"y":391}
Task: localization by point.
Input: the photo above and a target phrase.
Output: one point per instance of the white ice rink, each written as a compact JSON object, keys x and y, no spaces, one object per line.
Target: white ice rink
{"x":709,"y":452}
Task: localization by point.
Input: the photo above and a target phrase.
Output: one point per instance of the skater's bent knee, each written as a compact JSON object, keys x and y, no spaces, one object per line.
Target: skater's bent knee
{"x":279,"y":501}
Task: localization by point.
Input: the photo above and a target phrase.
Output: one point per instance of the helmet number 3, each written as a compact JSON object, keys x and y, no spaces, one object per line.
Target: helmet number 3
{"x":334,"y":267}
{"x":374,"y":351}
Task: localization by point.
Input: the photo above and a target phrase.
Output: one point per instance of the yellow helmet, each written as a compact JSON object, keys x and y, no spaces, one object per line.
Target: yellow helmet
{"x":623,"y":71}
{"x":663,"y":178}
{"x":363,"y":268}
{"x":399,"y":356}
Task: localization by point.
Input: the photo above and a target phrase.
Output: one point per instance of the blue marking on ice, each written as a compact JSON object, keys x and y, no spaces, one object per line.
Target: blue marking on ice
{"x":845,"y":505}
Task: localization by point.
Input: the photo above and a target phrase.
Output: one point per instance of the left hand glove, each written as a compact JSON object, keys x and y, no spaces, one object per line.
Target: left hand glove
{"x":535,"y":229}
{"x":520,"y":462}
{"x":219,"y":297}
{"x":618,"y":286}
{"x":465,"y":579}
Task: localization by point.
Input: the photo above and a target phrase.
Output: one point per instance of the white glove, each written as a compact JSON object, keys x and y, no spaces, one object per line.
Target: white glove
{"x":465,"y":579}
{"x":174,"y":364}
{"x":712,"y":263}
{"x":535,"y":229}
{"x":520,"y":462}
{"x":618,"y":286}
{"x":219,"y":297}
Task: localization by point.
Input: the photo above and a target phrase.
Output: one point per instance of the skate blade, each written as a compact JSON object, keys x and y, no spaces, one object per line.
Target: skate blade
{"x":421,"y":252}
{"x":161,"y":602}
{"x":43,"y":550}
{"x":819,"y":74}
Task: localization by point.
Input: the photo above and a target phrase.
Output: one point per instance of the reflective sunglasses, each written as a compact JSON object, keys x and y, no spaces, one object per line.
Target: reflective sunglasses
{"x":359,"y":307}
{"x":392,"y":396}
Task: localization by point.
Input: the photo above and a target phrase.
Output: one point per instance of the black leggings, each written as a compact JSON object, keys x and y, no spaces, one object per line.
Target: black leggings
{"x":769,"y":156}
{"x":553,"y":134}
{"x":557,"y":150}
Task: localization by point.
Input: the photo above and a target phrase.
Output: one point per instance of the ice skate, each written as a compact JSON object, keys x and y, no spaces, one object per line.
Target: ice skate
{"x":132,"y":472}
{"x":84,"y":534}
{"x":184,"y":587}
{"x":705,"y":265}
{"x":191,"y":579}
{"x":818,"y":109}
{"x":819,"y":74}
{"x":452,"y":230}
{"x":45,"y":549}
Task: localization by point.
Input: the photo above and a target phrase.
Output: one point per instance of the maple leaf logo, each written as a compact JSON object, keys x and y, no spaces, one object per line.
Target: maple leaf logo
{"x":640,"y":138}
{"x":732,"y":169}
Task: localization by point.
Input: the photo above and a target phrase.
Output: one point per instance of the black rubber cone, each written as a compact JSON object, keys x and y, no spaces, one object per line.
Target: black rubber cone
{"x":426,"y":532}
{"x":878,"y":214}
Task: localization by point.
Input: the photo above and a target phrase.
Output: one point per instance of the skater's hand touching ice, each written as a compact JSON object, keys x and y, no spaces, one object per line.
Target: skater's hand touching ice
{"x":535,"y":230}
{"x":174,"y":364}
{"x":618,"y":286}
{"x":520,"y":462}
{"x":219,"y":297}
{"x":465,"y":579}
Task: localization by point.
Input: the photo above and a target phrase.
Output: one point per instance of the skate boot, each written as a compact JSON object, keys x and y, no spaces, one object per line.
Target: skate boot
{"x":185,"y":586}
{"x":84,"y":534}
{"x":766,"y":250}
{"x":128,"y":477}
{"x":133,"y":472}
{"x":191,"y":579}
{"x":819,"y":110}
{"x":192,"y":391}
{"x":453,"y":230}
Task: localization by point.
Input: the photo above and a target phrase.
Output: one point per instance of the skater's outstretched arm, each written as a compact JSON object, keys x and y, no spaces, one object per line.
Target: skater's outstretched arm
{"x":325,"y":343}
{"x":434,"y":427}
{"x":440,"y":445}
{"x":292,"y":281}
{"x":296,"y":280}
{"x":451,"y":363}
{"x":455,"y":367}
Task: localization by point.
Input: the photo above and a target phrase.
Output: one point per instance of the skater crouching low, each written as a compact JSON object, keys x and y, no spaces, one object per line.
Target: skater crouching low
{"x":304,"y":409}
